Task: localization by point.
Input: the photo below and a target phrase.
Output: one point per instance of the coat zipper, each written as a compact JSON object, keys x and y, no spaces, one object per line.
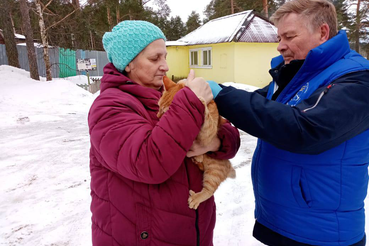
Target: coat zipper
{"x":197,"y":228}
{"x":197,"y":214}
{"x":320,"y":97}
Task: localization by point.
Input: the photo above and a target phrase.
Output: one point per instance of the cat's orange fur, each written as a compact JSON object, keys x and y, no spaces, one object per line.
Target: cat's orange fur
{"x":215,"y":171}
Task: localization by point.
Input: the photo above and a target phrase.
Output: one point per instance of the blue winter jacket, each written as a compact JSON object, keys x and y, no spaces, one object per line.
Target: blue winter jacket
{"x":310,"y":167}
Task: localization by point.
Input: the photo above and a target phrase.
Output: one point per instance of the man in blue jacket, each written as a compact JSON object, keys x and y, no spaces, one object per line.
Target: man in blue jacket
{"x":310,"y":167}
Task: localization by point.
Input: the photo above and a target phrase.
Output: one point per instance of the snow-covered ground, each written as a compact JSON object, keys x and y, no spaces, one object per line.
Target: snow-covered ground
{"x":44,"y":167}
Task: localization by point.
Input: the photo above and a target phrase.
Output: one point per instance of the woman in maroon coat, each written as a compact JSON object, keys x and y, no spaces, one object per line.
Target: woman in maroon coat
{"x":140,"y":175}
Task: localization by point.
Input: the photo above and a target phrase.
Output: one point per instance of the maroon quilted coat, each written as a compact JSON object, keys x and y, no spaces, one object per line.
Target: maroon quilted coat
{"x":140,"y":177}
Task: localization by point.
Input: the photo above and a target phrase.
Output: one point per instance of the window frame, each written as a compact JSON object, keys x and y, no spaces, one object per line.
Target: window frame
{"x":200,"y":57}
{"x":209,"y":56}
{"x":191,"y":58}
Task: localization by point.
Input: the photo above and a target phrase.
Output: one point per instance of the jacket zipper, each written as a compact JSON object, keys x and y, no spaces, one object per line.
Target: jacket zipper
{"x":255,"y":175}
{"x":197,"y":228}
{"x":320,"y":97}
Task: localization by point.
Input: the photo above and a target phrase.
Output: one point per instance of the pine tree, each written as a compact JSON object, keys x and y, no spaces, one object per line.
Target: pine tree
{"x":219,"y":8}
{"x":358,"y":22}
{"x":193,"y":22}
{"x":8,"y":32}
{"x":175,"y":29}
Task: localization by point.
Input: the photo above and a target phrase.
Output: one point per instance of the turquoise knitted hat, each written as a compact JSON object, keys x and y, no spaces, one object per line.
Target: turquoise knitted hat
{"x":128,"y":39}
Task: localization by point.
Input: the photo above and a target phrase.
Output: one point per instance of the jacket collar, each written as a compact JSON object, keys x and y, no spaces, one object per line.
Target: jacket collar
{"x":317,"y":60}
{"x":325,"y":54}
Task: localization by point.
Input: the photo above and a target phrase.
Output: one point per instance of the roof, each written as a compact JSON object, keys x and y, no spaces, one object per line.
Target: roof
{"x":246,"y":26}
{"x":175,"y":43}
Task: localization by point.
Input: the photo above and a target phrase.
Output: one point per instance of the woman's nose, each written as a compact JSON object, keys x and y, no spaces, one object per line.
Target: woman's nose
{"x":164,"y":66}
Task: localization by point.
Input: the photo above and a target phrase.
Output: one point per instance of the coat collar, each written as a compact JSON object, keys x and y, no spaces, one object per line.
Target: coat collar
{"x":112,"y":78}
{"x":325,"y":54}
{"x":318,"y":59}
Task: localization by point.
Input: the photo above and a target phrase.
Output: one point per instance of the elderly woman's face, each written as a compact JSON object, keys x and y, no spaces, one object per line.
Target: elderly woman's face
{"x":149,"y":67}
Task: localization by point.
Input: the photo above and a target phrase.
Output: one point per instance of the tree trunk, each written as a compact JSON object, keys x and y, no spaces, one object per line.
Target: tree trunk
{"x":357,"y":31}
{"x":8,"y":32}
{"x":265,"y":8}
{"x":110,"y":20}
{"x":117,"y":13}
{"x":76,"y":4}
{"x":45,"y":43}
{"x":232,"y":7}
{"x":29,"y":40}
{"x":92,"y":41}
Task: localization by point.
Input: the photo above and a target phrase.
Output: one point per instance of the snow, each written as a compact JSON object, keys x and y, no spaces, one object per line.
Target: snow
{"x":44,"y":167}
{"x":241,"y":86}
{"x":19,"y":36}
{"x":175,"y":43}
{"x":218,"y":30}
{"x":37,"y":45}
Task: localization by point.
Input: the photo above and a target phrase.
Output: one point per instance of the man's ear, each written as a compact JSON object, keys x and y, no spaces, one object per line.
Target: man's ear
{"x":324,"y":32}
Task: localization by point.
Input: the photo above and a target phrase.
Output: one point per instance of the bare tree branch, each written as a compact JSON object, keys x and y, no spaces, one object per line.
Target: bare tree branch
{"x":43,"y":9}
{"x":61,"y":19}
{"x":144,"y":2}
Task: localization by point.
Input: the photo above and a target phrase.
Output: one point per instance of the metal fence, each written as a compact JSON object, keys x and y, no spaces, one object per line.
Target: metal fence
{"x":63,"y":61}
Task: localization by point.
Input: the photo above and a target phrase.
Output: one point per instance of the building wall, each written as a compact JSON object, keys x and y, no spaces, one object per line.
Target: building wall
{"x":222,"y":63}
{"x":252,"y":63}
{"x":222,"y":69}
{"x":178,"y":61}
{"x":246,"y":63}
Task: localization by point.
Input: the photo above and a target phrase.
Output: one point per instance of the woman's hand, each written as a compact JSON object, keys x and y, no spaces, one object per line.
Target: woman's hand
{"x":197,"y":149}
{"x":199,"y":86}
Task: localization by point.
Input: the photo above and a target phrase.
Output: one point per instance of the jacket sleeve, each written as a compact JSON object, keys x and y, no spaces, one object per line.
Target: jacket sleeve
{"x":340,"y":114}
{"x":134,"y":147}
{"x":230,"y":142}
{"x":263,"y":91}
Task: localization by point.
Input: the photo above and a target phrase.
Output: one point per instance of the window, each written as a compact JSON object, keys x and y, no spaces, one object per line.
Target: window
{"x":206,"y":57}
{"x":201,"y":58}
{"x":194,"y":61}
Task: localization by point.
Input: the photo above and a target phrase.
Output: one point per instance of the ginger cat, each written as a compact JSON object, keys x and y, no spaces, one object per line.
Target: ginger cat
{"x":215,"y":171}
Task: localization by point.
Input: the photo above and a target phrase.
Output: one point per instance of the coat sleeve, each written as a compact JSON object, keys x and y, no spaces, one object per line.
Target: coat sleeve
{"x":230,"y":142}
{"x":340,"y":114}
{"x":132,"y":146}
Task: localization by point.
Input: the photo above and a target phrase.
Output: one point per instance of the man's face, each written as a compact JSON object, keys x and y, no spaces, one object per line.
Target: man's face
{"x":296,"y":38}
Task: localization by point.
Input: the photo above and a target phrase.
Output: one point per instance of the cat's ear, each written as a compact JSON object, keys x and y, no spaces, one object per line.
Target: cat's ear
{"x":168,"y":83}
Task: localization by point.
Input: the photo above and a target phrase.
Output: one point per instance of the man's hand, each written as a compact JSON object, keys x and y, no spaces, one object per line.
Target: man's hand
{"x":197,"y":149}
{"x":199,"y":86}
{"x":215,"y":88}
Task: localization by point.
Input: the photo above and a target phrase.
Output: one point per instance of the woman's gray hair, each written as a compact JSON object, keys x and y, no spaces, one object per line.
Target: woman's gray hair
{"x":316,"y":12}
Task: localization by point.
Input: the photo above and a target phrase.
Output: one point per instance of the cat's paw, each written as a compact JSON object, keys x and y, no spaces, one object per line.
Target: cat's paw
{"x":193,"y":203}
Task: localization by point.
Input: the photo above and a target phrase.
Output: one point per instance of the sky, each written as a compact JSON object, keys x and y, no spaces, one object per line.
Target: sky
{"x":44,"y":167}
{"x":183,"y":8}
